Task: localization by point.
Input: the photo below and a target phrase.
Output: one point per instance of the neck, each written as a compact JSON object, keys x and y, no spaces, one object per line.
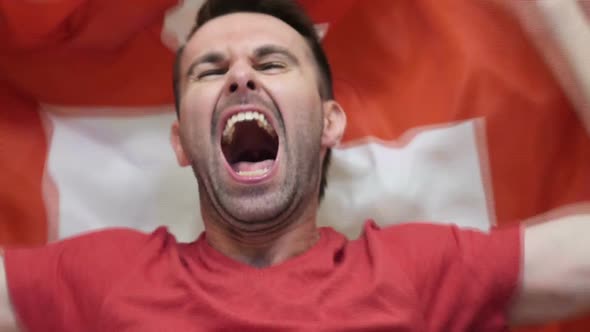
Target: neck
{"x":267,"y":248}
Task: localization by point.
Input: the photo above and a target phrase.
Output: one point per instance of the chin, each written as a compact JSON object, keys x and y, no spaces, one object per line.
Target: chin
{"x":257,"y":208}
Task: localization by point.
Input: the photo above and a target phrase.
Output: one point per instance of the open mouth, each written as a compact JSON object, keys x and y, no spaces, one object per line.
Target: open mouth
{"x":250,"y":145}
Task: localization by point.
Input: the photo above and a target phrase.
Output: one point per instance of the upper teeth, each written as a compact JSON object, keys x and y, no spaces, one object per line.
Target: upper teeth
{"x":228,"y":131}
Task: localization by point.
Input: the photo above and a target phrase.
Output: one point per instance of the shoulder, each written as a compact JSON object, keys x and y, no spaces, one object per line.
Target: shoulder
{"x":444,"y":241}
{"x":429,"y":232}
{"x":448,"y":266}
{"x":105,"y":252}
{"x":118,"y":240}
{"x":410,"y":233}
{"x":70,"y":278}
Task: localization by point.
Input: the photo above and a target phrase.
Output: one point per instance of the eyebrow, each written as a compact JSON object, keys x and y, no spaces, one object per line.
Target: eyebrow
{"x":266,"y":50}
{"x":210,"y":57}
{"x":260,"y":52}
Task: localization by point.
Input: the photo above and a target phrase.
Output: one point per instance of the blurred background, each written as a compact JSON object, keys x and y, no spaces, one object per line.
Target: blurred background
{"x":474,"y":112}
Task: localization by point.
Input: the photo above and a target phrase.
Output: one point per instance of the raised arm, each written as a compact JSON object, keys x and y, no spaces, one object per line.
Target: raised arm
{"x":7,"y":318}
{"x":556,"y":271}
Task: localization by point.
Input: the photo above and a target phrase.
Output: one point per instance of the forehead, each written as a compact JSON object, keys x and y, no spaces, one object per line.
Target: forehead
{"x":243,"y":32}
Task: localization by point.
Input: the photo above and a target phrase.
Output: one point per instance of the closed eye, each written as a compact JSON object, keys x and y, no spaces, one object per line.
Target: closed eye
{"x":211,"y":72}
{"x":270,"y":66}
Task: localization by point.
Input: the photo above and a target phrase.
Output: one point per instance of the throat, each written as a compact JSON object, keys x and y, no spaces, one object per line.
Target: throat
{"x":264,"y":251}
{"x":259,"y":260}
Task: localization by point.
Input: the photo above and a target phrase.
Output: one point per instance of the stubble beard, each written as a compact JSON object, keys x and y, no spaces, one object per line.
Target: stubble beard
{"x":261,"y":209}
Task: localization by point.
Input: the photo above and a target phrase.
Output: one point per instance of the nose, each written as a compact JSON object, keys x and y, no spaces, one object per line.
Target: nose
{"x":234,"y":86}
{"x":241,"y":79}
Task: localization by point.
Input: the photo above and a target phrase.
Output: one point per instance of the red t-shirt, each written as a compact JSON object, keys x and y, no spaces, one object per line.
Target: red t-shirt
{"x":410,"y":277}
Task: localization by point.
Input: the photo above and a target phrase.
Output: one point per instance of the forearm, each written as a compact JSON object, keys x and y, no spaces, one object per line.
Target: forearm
{"x":7,"y":318}
{"x":570,"y":29}
{"x":556,"y":271}
{"x":561,"y":31}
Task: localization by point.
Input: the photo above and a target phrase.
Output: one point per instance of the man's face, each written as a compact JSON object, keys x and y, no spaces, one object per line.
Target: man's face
{"x":251,"y":117}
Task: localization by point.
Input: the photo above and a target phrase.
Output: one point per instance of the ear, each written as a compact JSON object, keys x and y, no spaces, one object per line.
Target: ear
{"x":334,"y":123}
{"x":181,"y":157}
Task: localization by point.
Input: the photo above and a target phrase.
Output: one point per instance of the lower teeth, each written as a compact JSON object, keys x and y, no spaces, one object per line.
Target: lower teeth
{"x":257,"y":172}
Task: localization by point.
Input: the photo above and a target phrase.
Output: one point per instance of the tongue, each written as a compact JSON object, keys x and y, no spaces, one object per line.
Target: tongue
{"x":246,"y":166}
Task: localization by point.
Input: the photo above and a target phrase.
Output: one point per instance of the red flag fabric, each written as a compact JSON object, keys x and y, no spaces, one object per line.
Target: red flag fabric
{"x":400,"y":68}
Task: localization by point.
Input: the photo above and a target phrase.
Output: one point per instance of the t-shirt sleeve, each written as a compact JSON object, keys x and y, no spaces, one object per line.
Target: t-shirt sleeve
{"x":464,"y":279}
{"x":61,"y":286}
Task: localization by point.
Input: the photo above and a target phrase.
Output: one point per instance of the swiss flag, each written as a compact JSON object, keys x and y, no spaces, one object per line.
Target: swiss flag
{"x":453,"y":116}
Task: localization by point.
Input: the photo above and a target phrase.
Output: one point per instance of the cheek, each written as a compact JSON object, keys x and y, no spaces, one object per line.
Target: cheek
{"x":197,"y":106}
{"x":200,"y":98}
{"x":301,"y":108}
{"x":298,"y":97}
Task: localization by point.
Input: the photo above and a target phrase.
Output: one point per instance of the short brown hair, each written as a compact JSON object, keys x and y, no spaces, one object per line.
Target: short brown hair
{"x":287,"y":11}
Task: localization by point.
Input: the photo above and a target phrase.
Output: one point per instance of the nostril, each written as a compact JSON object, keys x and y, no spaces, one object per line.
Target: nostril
{"x":233,"y":87}
{"x":251,"y":85}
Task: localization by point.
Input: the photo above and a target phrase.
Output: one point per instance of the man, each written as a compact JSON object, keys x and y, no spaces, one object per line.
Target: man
{"x":256,"y":120}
